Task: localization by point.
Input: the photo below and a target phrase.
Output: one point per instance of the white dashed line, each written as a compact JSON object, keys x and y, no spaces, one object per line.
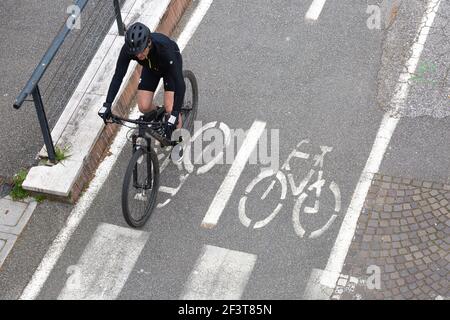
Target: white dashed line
{"x":314,"y":10}
{"x":105,"y":265}
{"x":219,"y":274}
{"x":226,"y":189}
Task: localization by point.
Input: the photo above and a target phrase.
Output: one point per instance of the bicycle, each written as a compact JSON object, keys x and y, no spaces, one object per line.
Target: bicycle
{"x":141,"y":180}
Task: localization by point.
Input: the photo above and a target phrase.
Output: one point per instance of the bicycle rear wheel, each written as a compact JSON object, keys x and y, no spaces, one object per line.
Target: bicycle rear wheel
{"x":190,"y":103}
{"x":140,"y":187}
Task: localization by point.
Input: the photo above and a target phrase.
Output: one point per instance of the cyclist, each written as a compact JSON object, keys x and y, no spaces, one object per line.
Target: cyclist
{"x":159,"y":57}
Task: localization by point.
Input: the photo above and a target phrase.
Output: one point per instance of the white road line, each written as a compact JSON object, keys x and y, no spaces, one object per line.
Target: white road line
{"x":315,"y":9}
{"x":44,"y":269}
{"x":385,"y":132}
{"x":219,"y":274}
{"x":105,"y":264}
{"x":193,"y":23}
{"x":226,"y":189}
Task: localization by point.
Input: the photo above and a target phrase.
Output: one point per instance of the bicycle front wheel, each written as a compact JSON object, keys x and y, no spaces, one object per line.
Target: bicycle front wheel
{"x":140,"y":187}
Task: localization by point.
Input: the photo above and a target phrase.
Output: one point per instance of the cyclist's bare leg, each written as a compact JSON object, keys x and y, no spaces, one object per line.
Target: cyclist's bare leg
{"x":145,"y":101}
{"x":169,"y":97}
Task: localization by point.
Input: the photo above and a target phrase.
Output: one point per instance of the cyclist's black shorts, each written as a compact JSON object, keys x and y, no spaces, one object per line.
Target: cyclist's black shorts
{"x":150,"y":79}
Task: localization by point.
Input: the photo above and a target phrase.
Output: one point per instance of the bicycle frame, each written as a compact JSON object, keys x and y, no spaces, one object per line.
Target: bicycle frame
{"x":143,"y":128}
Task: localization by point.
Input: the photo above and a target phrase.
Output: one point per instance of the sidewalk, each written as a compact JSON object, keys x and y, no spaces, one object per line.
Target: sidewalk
{"x":27,"y":29}
{"x":404,"y":231}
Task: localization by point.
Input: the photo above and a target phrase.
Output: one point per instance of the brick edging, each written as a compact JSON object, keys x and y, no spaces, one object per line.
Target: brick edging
{"x":168,"y":22}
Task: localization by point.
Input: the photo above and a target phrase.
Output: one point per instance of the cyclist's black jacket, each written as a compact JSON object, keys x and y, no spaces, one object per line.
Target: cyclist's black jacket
{"x":164,"y":59}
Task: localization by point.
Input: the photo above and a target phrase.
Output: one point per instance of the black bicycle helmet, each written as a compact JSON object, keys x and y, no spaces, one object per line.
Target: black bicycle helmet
{"x":136,"y":38}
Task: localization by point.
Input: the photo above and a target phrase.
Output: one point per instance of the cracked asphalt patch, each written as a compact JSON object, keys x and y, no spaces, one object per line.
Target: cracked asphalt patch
{"x":430,"y":86}
{"x":429,"y":93}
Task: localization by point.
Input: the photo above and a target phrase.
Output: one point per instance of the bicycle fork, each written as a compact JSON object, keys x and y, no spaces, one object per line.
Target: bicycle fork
{"x":148,"y":181}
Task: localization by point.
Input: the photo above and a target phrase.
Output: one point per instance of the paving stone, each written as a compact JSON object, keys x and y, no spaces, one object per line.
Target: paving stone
{"x":435,"y":206}
{"x":426,"y":209}
{"x":422,"y":267}
{"x":404,"y":228}
{"x":434,"y":193}
{"x":384,"y":223}
{"x":427,"y":184}
{"x":410,"y":220}
{"x":406,"y":206}
{"x":373,"y":223}
{"x":408,"y":257}
{"x":397,"y":215}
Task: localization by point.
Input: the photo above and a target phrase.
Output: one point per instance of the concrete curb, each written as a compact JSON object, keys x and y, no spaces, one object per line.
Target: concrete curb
{"x":59,"y":182}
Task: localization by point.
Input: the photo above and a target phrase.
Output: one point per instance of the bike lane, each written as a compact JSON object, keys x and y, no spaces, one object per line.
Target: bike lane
{"x":315,"y":83}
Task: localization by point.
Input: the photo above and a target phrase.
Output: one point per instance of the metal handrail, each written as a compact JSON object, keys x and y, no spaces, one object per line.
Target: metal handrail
{"x":45,"y":61}
{"x":32,"y":86}
{"x":54,"y":47}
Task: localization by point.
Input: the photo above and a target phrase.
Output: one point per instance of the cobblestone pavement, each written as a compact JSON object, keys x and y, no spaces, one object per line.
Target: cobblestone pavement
{"x":401,"y":246}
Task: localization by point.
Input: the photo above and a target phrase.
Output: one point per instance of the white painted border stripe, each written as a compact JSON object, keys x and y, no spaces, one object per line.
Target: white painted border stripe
{"x":226,"y":189}
{"x":193,"y":23}
{"x":339,"y":252}
{"x":47,"y":264}
{"x":315,"y":9}
{"x":219,"y":274}
{"x":105,"y":264}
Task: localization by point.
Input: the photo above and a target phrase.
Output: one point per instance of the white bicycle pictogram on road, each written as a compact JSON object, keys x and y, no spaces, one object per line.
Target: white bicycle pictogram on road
{"x":284,"y":176}
{"x":188,"y":167}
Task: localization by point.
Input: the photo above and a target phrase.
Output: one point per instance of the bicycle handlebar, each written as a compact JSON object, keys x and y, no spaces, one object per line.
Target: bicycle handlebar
{"x":164,"y":141}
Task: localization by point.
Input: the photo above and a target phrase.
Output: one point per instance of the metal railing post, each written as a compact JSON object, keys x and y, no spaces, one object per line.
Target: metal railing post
{"x":44,"y":124}
{"x":120,"y":24}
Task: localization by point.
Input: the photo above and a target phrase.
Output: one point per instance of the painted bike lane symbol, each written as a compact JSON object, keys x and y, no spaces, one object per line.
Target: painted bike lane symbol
{"x":285,"y":179}
{"x":187,"y":167}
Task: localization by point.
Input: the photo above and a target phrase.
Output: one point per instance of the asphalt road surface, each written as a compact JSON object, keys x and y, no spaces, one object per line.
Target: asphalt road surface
{"x":312,"y":85}
{"x":256,"y":62}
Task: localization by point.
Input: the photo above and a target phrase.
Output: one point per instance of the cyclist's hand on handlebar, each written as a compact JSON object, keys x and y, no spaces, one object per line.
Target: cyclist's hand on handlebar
{"x":105,"y":112}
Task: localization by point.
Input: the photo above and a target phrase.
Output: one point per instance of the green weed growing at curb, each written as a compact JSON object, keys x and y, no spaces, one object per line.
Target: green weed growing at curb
{"x":39,"y":198}
{"x":17,"y":192}
{"x":61,"y":154}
